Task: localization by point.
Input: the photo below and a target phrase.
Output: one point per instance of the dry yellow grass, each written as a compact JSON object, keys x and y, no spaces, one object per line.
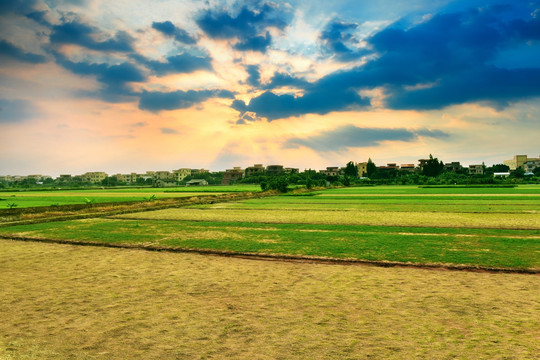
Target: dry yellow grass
{"x":69,"y":302}
{"x":349,"y":217}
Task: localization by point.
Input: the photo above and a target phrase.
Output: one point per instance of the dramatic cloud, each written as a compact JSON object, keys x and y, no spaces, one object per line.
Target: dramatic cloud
{"x":253,"y":62}
{"x":338,"y":37}
{"x":455,"y":64}
{"x":39,"y":17}
{"x":167,"y":28}
{"x":254,"y":75}
{"x":15,"y":111}
{"x":248,"y":26}
{"x":115,"y":78}
{"x":351,"y":136}
{"x":286,"y":80}
{"x":320,"y":98}
{"x":77,"y":33}
{"x":17,"y":6}
{"x":256,"y":43}
{"x":156,"y":101}
{"x":8,"y":49}
{"x":182,"y":63}
{"x":444,"y":61}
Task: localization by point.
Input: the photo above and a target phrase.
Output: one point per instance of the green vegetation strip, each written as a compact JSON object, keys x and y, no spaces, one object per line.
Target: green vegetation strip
{"x":404,"y":189}
{"x":26,"y":199}
{"x":456,"y":248}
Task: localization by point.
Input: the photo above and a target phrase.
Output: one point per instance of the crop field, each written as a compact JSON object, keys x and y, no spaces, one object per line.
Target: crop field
{"x":79,"y":302}
{"x":24,"y":199}
{"x":60,"y":301}
{"x":482,"y":227}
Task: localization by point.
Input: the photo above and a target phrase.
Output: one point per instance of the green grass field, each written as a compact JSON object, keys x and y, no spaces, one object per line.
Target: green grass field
{"x":25,"y":199}
{"x":483,"y":227}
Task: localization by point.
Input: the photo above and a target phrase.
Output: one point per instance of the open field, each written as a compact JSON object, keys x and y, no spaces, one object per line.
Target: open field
{"x":24,"y":199}
{"x":414,"y":189}
{"x":72,"y":302}
{"x":480,"y":230}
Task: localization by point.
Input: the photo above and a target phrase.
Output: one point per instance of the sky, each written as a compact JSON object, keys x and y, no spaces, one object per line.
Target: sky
{"x":129,"y":86}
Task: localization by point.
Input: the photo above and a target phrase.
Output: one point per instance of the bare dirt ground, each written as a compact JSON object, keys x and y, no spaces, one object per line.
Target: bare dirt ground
{"x":73,"y":302}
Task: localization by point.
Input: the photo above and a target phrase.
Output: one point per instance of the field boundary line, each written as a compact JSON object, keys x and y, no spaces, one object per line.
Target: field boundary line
{"x":279,"y":257}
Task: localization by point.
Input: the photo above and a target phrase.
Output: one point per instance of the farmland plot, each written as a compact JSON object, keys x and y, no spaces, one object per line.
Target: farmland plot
{"x":484,"y":228}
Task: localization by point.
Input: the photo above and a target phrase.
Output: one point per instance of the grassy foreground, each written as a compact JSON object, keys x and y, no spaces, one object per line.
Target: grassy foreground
{"x":67,"y":302}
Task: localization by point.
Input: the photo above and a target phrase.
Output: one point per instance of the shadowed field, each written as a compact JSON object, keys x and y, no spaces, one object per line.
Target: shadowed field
{"x":72,"y":302}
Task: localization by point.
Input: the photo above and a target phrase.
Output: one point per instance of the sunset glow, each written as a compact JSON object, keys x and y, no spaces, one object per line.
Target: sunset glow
{"x":129,"y":86}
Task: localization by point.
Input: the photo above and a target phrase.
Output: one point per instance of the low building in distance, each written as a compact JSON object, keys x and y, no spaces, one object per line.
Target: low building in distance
{"x":274,"y":169}
{"x":362,"y":168}
{"x":454,"y":166}
{"x":476,"y":169}
{"x":182,"y":173}
{"x":407,"y":167}
{"x":93,"y":177}
{"x":518,"y":161}
{"x":257,"y":169}
{"x":197,"y":182}
{"x":232,"y":175}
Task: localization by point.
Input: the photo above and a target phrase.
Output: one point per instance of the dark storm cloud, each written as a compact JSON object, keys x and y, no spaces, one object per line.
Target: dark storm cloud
{"x":39,"y":17}
{"x":10,"y":50}
{"x":338,"y":37}
{"x":282,"y":79}
{"x":114,"y":78}
{"x":169,"y":29}
{"x":256,"y":43}
{"x":351,"y":136}
{"x":319,"y":101}
{"x":20,"y":7}
{"x":15,"y":111}
{"x":254,"y":75}
{"x":156,"y":101}
{"x":182,"y":63}
{"x":77,"y":33}
{"x":452,"y":53}
{"x":447,"y":60}
{"x":248,"y":26}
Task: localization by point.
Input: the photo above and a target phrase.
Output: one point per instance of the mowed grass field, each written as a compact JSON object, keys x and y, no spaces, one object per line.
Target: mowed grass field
{"x":79,"y":302}
{"x":471,"y":227}
{"x":24,"y":199}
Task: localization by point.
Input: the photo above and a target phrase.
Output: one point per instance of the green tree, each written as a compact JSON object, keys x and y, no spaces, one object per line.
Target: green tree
{"x":279,"y":183}
{"x":432,"y":167}
{"x":351,"y":170}
{"x":371,"y":168}
{"x":500,"y":168}
{"x":518,"y":173}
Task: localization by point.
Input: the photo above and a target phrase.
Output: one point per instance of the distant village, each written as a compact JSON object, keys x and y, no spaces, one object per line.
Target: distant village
{"x":200,"y":177}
